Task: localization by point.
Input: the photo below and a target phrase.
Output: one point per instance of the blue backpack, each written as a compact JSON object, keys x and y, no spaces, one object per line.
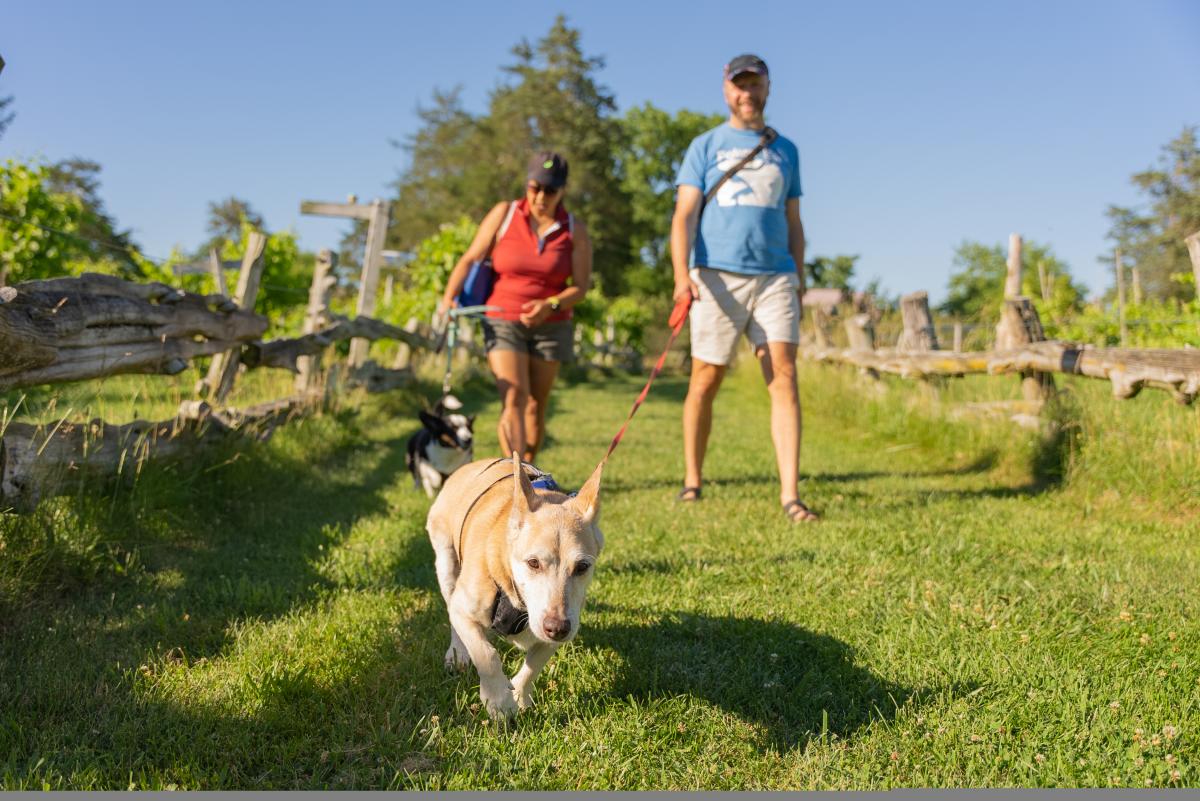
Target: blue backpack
{"x":482,"y":276}
{"x":478,"y":286}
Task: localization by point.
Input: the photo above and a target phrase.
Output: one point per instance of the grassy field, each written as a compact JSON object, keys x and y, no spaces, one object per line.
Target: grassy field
{"x":980,"y":606}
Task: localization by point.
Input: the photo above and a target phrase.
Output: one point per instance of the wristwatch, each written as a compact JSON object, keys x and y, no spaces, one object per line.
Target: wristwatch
{"x":554,"y":303}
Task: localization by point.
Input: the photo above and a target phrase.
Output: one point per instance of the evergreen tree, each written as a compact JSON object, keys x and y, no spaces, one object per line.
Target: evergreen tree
{"x":1153,"y":238}
{"x":463,"y":164}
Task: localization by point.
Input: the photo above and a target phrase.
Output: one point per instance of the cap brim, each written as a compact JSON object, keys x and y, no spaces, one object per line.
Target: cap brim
{"x":729,"y":76}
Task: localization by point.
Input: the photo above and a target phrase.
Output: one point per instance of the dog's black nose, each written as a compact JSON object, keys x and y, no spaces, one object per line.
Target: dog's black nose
{"x":556,"y":628}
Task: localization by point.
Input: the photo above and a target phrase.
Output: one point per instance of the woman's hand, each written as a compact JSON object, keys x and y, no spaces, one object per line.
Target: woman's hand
{"x":535,"y":312}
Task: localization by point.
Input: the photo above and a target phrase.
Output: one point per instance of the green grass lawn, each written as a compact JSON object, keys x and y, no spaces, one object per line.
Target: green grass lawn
{"x":980,"y":606}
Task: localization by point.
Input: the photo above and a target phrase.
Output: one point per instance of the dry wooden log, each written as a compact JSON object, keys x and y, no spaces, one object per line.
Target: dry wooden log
{"x":1129,"y":370}
{"x":54,"y":331}
{"x":111,"y":285}
{"x":41,"y":461}
{"x":919,"y":333}
{"x":284,"y":353}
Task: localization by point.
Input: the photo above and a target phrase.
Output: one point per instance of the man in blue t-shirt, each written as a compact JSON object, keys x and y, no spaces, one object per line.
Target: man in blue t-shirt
{"x":744,"y":268}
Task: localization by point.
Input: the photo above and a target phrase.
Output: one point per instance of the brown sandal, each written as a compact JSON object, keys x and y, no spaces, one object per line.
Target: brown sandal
{"x":797,"y":512}
{"x":688,"y":495}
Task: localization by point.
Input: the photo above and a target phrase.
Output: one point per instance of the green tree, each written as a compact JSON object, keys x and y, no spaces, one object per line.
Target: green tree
{"x":976,"y":288}
{"x":286,"y":275}
{"x":7,"y":115}
{"x":653,"y":144}
{"x":38,"y":227}
{"x":463,"y":164}
{"x":227,"y":220}
{"x":831,"y":271}
{"x":1152,"y":237}
{"x":112,"y":249}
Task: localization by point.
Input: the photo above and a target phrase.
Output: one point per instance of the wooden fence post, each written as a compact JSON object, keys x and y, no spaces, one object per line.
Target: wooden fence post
{"x":377,"y":226}
{"x":1193,"y":246}
{"x":404,"y":351}
{"x":958,"y":336}
{"x":315,"y":317}
{"x":218,"y":272}
{"x":1119,"y":269}
{"x":860,"y":331}
{"x":820,"y":325}
{"x":223,"y":369}
{"x":1020,"y":325}
{"x":919,"y":333}
{"x":1012,"y":281}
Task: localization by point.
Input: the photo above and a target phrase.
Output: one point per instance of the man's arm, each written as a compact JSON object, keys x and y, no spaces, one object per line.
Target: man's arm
{"x":796,"y":239}
{"x":688,"y":200}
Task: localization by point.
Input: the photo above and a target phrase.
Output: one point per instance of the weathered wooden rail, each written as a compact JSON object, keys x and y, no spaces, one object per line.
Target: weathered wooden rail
{"x":1020,"y":347}
{"x":1129,"y":371}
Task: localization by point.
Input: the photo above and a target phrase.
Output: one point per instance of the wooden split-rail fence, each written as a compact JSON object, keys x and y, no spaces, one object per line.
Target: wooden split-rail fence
{"x":1020,"y":348}
{"x":65,"y":330}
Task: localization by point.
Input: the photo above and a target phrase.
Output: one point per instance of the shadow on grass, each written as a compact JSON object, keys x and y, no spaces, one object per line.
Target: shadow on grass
{"x":792,"y":683}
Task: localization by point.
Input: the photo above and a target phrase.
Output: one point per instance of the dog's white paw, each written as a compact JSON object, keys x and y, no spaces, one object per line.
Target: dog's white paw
{"x":523,"y":696}
{"x":500,"y":702}
{"x":457,"y":659}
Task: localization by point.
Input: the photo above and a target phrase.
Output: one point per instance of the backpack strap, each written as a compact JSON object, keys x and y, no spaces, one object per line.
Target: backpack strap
{"x":570,"y":223}
{"x":768,"y":136}
{"x":512,"y":208}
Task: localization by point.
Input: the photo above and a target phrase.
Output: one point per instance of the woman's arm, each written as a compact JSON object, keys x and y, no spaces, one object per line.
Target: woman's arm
{"x":480,"y":246}
{"x":534,"y":312}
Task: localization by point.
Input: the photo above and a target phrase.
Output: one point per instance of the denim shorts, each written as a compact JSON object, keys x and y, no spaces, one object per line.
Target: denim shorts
{"x":552,"y":342}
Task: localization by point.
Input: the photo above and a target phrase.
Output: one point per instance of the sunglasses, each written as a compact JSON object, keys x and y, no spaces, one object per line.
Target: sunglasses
{"x":534,"y":187}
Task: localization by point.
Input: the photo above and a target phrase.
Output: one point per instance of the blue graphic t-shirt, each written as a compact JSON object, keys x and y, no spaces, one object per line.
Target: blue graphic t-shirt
{"x":743,"y":229}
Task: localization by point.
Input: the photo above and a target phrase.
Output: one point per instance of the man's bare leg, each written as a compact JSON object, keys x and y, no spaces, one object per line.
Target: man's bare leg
{"x":778,"y":362}
{"x":697,"y":417}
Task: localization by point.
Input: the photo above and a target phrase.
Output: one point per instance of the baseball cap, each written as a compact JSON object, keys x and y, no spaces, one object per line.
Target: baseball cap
{"x":745,"y":63}
{"x":548,"y":169}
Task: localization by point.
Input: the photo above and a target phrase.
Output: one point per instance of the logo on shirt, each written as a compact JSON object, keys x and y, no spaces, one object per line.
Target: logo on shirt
{"x":759,"y":183}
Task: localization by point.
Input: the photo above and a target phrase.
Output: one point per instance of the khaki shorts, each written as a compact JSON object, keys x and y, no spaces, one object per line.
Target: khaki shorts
{"x":552,"y":342}
{"x":765,"y":307}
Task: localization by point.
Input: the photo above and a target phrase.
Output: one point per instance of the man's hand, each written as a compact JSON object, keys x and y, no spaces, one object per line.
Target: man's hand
{"x":684,"y":288}
{"x":534,"y":312}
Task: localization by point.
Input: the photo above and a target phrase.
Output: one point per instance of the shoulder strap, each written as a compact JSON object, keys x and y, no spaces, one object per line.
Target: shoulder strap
{"x":570,"y":223}
{"x":768,"y":136}
{"x":512,"y":208}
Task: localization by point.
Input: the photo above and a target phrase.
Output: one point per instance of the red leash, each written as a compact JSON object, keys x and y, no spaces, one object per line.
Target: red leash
{"x":679,"y":316}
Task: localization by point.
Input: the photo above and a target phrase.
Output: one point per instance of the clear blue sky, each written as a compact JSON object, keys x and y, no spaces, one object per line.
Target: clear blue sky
{"x":920,"y":124}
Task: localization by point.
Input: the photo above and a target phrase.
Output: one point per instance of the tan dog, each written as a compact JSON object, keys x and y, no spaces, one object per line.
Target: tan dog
{"x":516,"y":560}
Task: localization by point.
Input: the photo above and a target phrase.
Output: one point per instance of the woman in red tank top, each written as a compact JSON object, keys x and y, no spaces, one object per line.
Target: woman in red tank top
{"x":543,"y":261}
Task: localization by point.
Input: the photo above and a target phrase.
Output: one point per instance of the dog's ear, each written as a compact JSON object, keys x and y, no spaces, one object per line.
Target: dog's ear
{"x":587,"y":500}
{"x":431,"y":421}
{"x":522,"y":497}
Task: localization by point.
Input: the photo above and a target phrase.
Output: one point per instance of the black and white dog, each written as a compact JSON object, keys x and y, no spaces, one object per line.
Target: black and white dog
{"x":446,"y":443}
